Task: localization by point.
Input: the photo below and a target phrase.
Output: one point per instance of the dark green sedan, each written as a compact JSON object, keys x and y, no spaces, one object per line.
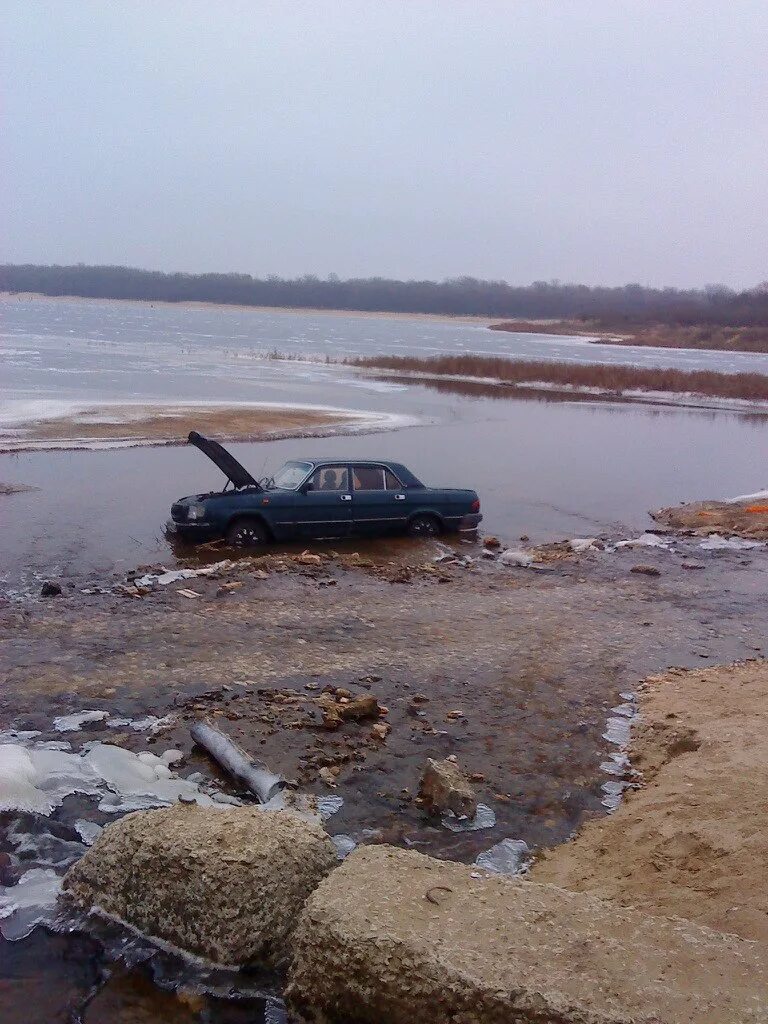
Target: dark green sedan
{"x":319,"y":498}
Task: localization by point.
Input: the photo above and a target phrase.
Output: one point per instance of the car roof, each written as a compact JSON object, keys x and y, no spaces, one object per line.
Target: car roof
{"x":398,"y":468}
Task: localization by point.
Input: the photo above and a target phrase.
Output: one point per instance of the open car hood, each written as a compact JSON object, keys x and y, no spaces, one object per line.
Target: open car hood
{"x":228,"y":464}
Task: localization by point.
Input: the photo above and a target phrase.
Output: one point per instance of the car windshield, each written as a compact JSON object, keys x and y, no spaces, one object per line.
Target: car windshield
{"x":290,"y":475}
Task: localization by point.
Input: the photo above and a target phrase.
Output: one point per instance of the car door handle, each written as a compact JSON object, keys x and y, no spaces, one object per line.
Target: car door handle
{"x":399,"y":497}
{"x":346,"y":497}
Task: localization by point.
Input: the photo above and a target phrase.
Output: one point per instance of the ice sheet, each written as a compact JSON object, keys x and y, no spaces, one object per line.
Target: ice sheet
{"x":73,"y":722}
{"x":505,"y":858}
{"x":32,"y":901}
{"x":484,"y":818}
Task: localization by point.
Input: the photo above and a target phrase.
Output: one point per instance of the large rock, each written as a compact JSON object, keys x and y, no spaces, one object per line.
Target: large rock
{"x":225,"y":884}
{"x":394,"y":937}
{"x":445,"y":787}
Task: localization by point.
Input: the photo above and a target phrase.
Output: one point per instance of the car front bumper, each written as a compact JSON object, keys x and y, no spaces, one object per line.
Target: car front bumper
{"x":191,"y":531}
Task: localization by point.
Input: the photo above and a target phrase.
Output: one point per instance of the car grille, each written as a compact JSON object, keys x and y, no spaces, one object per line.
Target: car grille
{"x":179,"y":513}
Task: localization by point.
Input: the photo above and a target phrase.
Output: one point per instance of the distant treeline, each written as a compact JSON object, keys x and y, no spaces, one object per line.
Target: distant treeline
{"x":628,"y":305}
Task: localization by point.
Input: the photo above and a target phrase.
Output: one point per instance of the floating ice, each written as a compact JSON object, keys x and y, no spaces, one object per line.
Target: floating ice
{"x":38,"y":777}
{"x":344,"y":845}
{"x":43,"y":847}
{"x":717,"y":543}
{"x":613,"y":793}
{"x":71,"y":723}
{"x":484,"y":818}
{"x":89,"y":831}
{"x":625,"y":710}
{"x":617,"y":764}
{"x":505,"y":858}
{"x":304,"y":805}
{"x":580,"y":544}
{"x":645,"y":540}
{"x":174,"y":575}
{"x":32,"y":901}
{"x":138,"y":781}
{"x":617,"y":731}
{"x":151,"y":723}
{"x":275,"y":1012}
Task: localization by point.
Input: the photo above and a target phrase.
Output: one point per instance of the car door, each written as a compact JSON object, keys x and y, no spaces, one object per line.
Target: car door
{"x":324,"y":503}
{"x":379,"y":502}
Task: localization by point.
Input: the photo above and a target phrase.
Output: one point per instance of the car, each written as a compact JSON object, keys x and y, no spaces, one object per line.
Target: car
{"x":311,"y":497}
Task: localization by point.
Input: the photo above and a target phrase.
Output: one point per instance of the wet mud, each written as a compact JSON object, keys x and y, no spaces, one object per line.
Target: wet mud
{"x":517,"y":671}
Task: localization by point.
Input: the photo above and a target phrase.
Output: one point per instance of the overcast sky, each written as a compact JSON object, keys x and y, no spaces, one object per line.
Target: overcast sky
{"x":601,"y":141}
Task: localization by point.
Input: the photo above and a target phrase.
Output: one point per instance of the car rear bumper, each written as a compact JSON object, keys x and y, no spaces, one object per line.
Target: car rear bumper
{"x":191,"y":531}
{"x":471,"y":521}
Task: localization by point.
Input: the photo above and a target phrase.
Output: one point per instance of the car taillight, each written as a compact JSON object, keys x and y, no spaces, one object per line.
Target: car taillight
{"x":475,"y":506}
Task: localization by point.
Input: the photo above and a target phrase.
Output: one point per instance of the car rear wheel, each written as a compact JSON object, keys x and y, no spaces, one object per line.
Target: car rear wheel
{"x":424,"y":526}
{"x":247,"y":533}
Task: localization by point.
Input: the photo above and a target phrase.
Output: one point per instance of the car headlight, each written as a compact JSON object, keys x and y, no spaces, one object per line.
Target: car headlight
{"x":196,"y":512}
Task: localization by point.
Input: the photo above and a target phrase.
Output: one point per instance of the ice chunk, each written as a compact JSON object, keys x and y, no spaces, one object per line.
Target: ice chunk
{"x":625,"y":710}
{"x":174,"y":575}
{"x":151,"y":723}
{"x":32,"y":901}
{"x":524,"y":559}
{"x":38,"y":779}
{"x":505,"y":858}
{"x":71,"y":723}
{"x":139,"y":781}
{"x":88,"y":831}
{"x":617,"y":731}
{"x":43,"y":847}
{"x":645,"y":540}
{"x":617,"y":764}
{"x":580,"y":544}
{"x":484,"y":818}
{"x":344,"y":845}
{"x":305,"y":805}
{"x":613,"y":793}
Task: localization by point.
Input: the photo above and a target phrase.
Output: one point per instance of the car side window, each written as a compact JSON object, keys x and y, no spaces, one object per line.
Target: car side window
{"x":391,"y":482}
{"x":330,"y":478}
{"x":369,"y":478}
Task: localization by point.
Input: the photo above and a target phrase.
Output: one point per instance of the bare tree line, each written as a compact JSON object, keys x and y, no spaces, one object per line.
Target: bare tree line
{"x":614,"y":307}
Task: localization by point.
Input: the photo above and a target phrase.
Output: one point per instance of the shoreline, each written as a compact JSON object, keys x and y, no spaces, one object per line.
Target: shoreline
{"x":480,"y":321}
{"x":697,"y":338}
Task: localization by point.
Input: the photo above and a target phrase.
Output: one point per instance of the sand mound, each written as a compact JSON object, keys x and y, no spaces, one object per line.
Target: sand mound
{"x":694,"y":841}
{"x":747,"y":518}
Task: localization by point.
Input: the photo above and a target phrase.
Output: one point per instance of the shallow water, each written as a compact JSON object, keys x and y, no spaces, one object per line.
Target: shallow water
{"x":545,"y":469}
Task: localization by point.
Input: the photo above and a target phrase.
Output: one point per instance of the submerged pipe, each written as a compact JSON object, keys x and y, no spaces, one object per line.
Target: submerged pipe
{"x":249,"y":772}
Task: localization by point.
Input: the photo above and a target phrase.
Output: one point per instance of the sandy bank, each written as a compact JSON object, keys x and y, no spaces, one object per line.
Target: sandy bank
{"x":747,"y":517}
{"x":693,"y":842}
{"x":731,"y":338}
{"x":108,"y":425}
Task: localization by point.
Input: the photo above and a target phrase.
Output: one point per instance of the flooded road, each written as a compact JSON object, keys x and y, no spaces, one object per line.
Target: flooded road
{"x":543,"y":468}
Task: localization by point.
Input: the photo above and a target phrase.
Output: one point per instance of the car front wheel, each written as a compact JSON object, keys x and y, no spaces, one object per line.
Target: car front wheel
{"x":247,"y":533}
{"x":424,"y":526}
